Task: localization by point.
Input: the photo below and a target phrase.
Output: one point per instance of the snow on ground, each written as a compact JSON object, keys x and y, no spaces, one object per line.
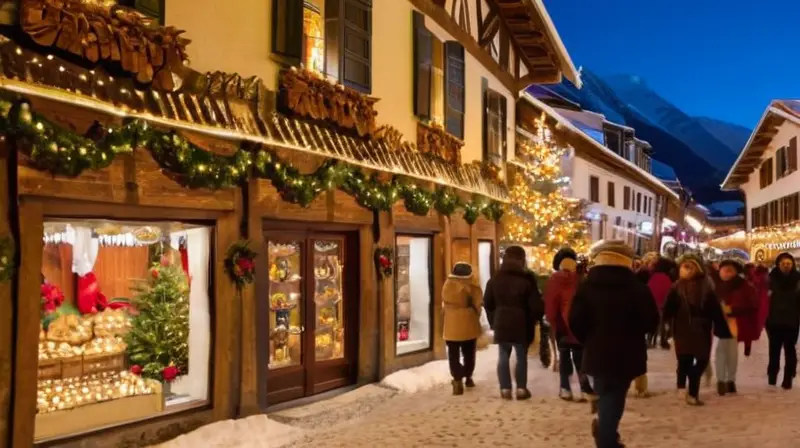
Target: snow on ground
{"x":257,"y":431}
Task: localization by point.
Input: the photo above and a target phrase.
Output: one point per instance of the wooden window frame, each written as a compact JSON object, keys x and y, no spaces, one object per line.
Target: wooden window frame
{"x":611,"y":193}
{"x":488,"y":95}
{"x":594,"y":188}
{"x":626,"y":197}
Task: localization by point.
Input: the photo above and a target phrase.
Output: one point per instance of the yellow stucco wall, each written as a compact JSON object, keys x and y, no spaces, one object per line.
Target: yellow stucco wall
{"x":237,"y":39}
{"x":225,"y":37}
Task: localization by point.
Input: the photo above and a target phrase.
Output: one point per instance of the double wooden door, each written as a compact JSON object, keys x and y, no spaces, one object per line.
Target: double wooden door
{"x":312,"y":297}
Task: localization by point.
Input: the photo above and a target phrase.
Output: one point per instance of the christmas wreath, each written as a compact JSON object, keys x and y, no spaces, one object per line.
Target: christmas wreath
{"x":6,"y":259}
{"x":240,"y":263}
{"x":383,"y":262}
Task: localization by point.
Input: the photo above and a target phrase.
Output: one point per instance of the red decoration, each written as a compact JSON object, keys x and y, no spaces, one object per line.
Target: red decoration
{"x":52,"y":297}
{"x":383,"y":261}
{"x":184,"y":251}
{"x":154,"y":273}
{"x":90,"y":299}
{"x":402,"y":335}
{"x":170,"y":373}
{"x":136,"y":369}
{"x":240,"y":263}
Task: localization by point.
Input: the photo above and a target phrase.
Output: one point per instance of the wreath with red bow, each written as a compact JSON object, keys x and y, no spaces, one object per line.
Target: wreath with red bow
{"x":240,"y":264}
{"x":384,"y":261}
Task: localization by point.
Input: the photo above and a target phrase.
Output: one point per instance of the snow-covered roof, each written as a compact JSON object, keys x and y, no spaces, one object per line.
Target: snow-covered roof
{"x":567,"y":67}
{"x":774,"y":115}
{"x":548,"y":95}
{"x":557,"y":115}
{"x":663,"y":171}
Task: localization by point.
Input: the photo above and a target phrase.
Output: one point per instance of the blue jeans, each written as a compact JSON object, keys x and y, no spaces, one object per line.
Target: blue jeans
{"x":727,"y":359}
{"x":504,"y":366}
{"x":611,"y":395}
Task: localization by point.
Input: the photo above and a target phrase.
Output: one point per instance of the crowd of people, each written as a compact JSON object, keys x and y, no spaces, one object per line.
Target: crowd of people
{"x":605,"y":316}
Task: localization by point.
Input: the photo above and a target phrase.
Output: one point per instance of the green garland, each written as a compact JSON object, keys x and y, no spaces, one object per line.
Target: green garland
{"x":61,"y":152}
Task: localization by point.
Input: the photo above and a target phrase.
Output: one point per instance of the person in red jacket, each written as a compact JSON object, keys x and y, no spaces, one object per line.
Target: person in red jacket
{"x":660,"y":282}
{"x":558,"y":295}
{"x":759,"y":278}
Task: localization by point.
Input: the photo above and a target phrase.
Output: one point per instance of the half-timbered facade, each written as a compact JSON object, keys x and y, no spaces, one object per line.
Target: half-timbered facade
{"x":347,"y":140}
{"x":766,"y":174}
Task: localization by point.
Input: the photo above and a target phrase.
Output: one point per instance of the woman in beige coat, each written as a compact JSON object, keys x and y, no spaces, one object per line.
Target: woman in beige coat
{"x":461,"y":303}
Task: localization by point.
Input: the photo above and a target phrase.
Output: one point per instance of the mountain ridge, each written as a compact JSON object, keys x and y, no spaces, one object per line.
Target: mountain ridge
{"x":701,"y":150}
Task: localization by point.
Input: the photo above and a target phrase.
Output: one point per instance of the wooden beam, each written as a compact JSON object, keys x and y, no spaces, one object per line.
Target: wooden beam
{"x":441,"y":18}
{"x":505,"y":47}
{"x":490,"y":29}
{"x":540,"y":77}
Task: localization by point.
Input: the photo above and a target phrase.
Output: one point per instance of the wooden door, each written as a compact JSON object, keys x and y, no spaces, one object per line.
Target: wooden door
{"x":313,"y":298}
{"x":287,"y":305}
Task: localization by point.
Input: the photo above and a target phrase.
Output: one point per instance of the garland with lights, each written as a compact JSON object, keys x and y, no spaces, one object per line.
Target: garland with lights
{"x":543,"y":217}
{"x":63,"y":153}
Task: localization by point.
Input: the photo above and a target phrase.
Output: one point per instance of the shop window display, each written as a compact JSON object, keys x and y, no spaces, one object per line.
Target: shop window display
{"x":125,"y":323}
{"x":413,"y":294}
{"x":288,"y":303}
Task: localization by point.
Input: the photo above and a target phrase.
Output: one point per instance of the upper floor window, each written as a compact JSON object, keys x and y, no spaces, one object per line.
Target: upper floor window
{"x":626,"y":198}
{"x":611,"y":194}
{"x":638,"y":202}
{"x":765,"y":173}
{"x":613,"y":140}
{"x":439,"y":84}
{"x":594,"y":189}
{"x":786,"y":159}
{"x":494,"y":125}
{"x":332,"y":37}
{"x":151,"y":8}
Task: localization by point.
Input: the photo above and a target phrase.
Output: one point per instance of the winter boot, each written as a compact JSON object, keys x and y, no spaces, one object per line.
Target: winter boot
{"x":693,"y":401}
{"x":731,"y":387}
{"x":469,"y":383}
{"x":579,"y":398}
{"x":565,"y":394}
{"x":523,"y":394}
{"x":748,"y":347}
{"x":722,"y":388}
{"x":640,"y":384}
{"x":505,"y":394}
{"x":772,"y":380}
{"x":787,"y":382}
{"x":458,"y":387}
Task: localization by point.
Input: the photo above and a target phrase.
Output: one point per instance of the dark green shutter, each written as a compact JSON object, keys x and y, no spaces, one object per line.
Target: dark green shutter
{"x":287,"y":28}
{"x":455,"y":88}
{"x":485,"y":113}
{"x":423,"y":60}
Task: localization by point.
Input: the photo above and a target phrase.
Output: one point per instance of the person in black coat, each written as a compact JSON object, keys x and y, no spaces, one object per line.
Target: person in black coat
{"x":695,"y":314}
{"x":513,"y":306}
{"x":610,"y":315}
{"x":783,"y":320}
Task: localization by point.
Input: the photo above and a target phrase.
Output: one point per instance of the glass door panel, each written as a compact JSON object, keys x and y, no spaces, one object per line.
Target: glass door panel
{"x":285,"y":260}
{"x":328,"y":299}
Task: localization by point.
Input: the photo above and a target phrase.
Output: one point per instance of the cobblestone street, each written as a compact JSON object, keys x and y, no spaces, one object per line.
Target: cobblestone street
{"x":757,"y":416}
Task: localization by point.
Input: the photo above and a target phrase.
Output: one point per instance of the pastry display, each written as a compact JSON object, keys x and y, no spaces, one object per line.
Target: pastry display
{"x":279,"y":337}
{"x":328,"y":296}
{"x":70,"y":328}
{"x":111,"y":323}
{"x":147,"y":235}
{"x":279,"y":302}
{"x":69,"y":393}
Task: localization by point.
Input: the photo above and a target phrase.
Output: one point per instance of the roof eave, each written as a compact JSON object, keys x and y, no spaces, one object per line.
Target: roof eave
{"x":567,"y":67}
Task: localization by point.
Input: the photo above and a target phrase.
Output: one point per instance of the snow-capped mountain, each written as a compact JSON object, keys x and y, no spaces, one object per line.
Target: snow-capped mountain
{"x":700,"y":150}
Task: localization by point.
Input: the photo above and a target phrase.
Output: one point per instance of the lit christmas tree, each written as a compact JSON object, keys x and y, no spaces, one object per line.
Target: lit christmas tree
{"x":541,"y":217}
{"x":158,"y":342}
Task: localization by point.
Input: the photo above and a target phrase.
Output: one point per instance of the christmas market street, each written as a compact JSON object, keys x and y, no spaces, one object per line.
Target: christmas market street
{"x":757,"y":416}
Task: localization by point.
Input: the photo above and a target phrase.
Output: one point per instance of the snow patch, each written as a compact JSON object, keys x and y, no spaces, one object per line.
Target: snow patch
{"x":418,"y":379}
{"x":257,"y":431}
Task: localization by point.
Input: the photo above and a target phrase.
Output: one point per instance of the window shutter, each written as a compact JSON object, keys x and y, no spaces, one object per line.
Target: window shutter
{"x":348,"y":46}
{"x":423,"y":60}
{"x":594,"y":189}
{"x":287,"y":28}
{"x":504,"y":125}
{"x":485,"y":110}
{"x":626,"y":198}
{"x":770,"y":171}
{"x":780,"y":167}
{"x":611,"y":194}
{"x":455,"y":90}
{"x":793,"y":154}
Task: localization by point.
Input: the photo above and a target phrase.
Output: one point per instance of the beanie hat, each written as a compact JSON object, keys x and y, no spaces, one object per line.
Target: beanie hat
{"x":692,"y":258}
{"x":612,"y":253}
{"x":462,"y":270}
{"x":782,"y":256}
{"x":736,"y":264}
{"x":561,"y":255}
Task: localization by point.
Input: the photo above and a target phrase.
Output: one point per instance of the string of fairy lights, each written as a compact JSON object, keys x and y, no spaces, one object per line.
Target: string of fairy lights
{"x":543,"y":218}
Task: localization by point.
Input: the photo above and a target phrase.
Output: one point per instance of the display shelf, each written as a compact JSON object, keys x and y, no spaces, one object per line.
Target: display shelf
{"x":85,"y":418}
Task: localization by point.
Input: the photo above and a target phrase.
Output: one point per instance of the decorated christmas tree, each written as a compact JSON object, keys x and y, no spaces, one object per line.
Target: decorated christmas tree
{"x":158,"y":341}
{"x":542,"y":217}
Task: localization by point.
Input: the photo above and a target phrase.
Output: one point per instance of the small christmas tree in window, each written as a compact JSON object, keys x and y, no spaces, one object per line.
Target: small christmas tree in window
{"x":158,"y":341}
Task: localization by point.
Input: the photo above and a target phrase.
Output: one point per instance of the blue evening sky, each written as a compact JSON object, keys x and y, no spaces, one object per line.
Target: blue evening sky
{"x":724,"y":59}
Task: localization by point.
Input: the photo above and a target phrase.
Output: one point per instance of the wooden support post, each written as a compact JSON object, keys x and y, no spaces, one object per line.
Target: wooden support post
{"x":6,"y":307}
